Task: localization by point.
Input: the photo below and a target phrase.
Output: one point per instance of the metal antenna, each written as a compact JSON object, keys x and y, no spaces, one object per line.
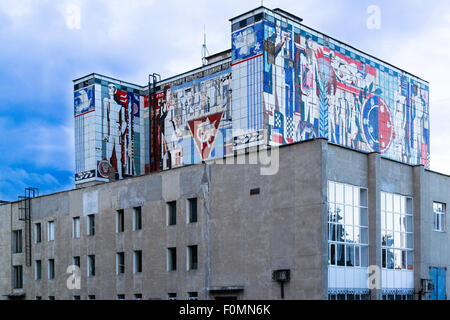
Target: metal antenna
{"x":205,"y":52}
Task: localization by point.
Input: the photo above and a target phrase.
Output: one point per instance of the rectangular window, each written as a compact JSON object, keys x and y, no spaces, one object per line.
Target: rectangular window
{"x":17,"y":241}
{"x":192,"y":296}
{"x":396,"y":232}
{"x":120,"y":263}
{"x":76,"y":261}
{"x":348,"y":225}
{"x":91,"y":297}
{"x":439,"y":217}
{"x":138,"y":296}
{"x":120,"y":297}
{"x":192,"y":210}
{"x":51,"y":298}
{"x":51,"y":269}
{"x":51,"y":231}
{"x":91,"y":225}
{"x":38,"y":270}
{"x":76,"y":228}
{"x":37,"y":233}
{"x":76,"y":297}
{"x":91,"y":266}
{"x":192,"y":258}
{"x":17,"y":277}
{"x":171,"y":209}
{"x":171,"y":296}
{"x":137,"y":218}
{"x":171,"y":259}
{"x":120,"y":221}
{"x":137,"y":261}
{"x":38,"y":298}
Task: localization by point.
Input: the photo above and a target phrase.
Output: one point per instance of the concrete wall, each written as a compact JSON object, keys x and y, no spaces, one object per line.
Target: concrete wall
{"x":5,"y":250}
{"x":241,"y":238}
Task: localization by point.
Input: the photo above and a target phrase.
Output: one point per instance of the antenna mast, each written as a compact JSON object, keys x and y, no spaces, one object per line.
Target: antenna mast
{"x":205,"y":52}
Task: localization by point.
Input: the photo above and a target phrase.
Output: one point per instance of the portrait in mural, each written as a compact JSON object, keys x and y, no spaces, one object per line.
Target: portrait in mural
{"x":122,"y":113}
{"x":84,"y":101}
{"x":194,"y":120}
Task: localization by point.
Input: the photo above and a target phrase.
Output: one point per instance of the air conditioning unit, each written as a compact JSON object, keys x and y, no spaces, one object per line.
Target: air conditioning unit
{"x":427,"y":286}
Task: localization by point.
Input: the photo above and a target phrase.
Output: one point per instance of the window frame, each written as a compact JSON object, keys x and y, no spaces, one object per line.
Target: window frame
{"x":76,"y":228}
{"x":17,"y":242}
{"x":171,"y":213}
{"x":440,"y":216}
{"x":120,"y":267}
{"x":137,"y":218}
{"x":190,"y":219}
{"x":51,"y":231}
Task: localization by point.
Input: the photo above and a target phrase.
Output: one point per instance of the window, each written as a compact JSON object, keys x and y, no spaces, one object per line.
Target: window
{"x":91,"y":225}
{"x":192,"y":296}
{"x":17,"y":241}
{"x":137,"y":218}
{"x":76,"y":228}
{"x":38,"y":298}
{"x":398,"y":297}
{"x":171,"y":208}
{"x":192,"y":210}
{"x":120,"y":297}
{"x":138,"y":296}
{"x":52,"y":298}
{"x":137,"y":261}
{"x":91,"y":266}
{"x":51,"y":231}
{"x":91,"y":297}
{"x":172,"y":259}
{"x":37,"y":233}
{"x":349,"y":296}
{"x":17,"y":277}
{"x":439,"y":217}
{"x":348,"y":226}
{"x":76,"y":297}
{"x":38,"y":270}
{"x":396,"y":232}
{"x":192,"y":258}
{"x":51,"y":269}
{"x":120,"y":263}
{"x":171,"y":296}
{"x":76,"y":261}
{"x":120,"y":221}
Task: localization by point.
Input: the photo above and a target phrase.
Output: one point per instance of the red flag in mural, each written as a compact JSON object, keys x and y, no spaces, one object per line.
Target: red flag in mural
{"x":204,"y":132}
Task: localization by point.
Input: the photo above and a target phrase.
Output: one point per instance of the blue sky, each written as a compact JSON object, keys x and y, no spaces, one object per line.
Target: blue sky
{"x":42,"y":51}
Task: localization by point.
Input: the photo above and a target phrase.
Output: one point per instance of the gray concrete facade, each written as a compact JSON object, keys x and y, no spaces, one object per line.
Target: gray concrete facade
{"x":242,"y":236}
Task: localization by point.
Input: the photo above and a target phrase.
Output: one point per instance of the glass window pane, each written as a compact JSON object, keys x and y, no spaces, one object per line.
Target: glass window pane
{"x":389,"y":202}
{"x":390,"y":259}
{"x":349,"y":237}
{"x":357,"y":261}
{"x":398,"y":259}
{"x":331,"y":212}
{"x":340,"y":234}
{"x":383,"y":201}
{"x":364,"y":212}
{"x":357,"y":235}
{"x":404,"y":259}
{"x":350,"y":255}
{"x":348,"y":215}
{"x":332,"y":254}
{"x":396,"y":203}
{"x":339,"y":193}
{"x":389,"y":221}
{"x":383,"y":258}
{"x":364,"y":236}
{"x":340,"y":213}
{"x":340,"y":255}
{"x":397,"y":221}
{"x":364,"y":256}
{"x":409,"y":224}
{"x":348,"y":195}
{"x":356,"y":216}
{"x":331,"y":192}
{"x":409,"y":241}
{"x":356,"y":197}
{"x":383,"y":220}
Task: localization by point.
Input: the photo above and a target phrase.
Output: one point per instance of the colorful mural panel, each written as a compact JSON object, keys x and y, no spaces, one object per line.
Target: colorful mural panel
{"x":313,"y":87}
{"x":191,"y":121}
{"x":109,"y":132}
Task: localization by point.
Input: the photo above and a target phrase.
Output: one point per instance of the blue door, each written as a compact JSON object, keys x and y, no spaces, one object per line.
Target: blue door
{"x":438,"y":276}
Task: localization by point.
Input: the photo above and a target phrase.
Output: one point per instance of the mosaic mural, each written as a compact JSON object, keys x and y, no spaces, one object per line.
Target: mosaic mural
{"x":191,"y":120}
{"x":310,"y":86}
{"x":109,"y":132}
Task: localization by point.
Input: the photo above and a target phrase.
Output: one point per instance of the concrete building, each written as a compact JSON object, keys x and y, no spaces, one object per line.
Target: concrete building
{"x":248,"y":226}
{"x":291,"y":166}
